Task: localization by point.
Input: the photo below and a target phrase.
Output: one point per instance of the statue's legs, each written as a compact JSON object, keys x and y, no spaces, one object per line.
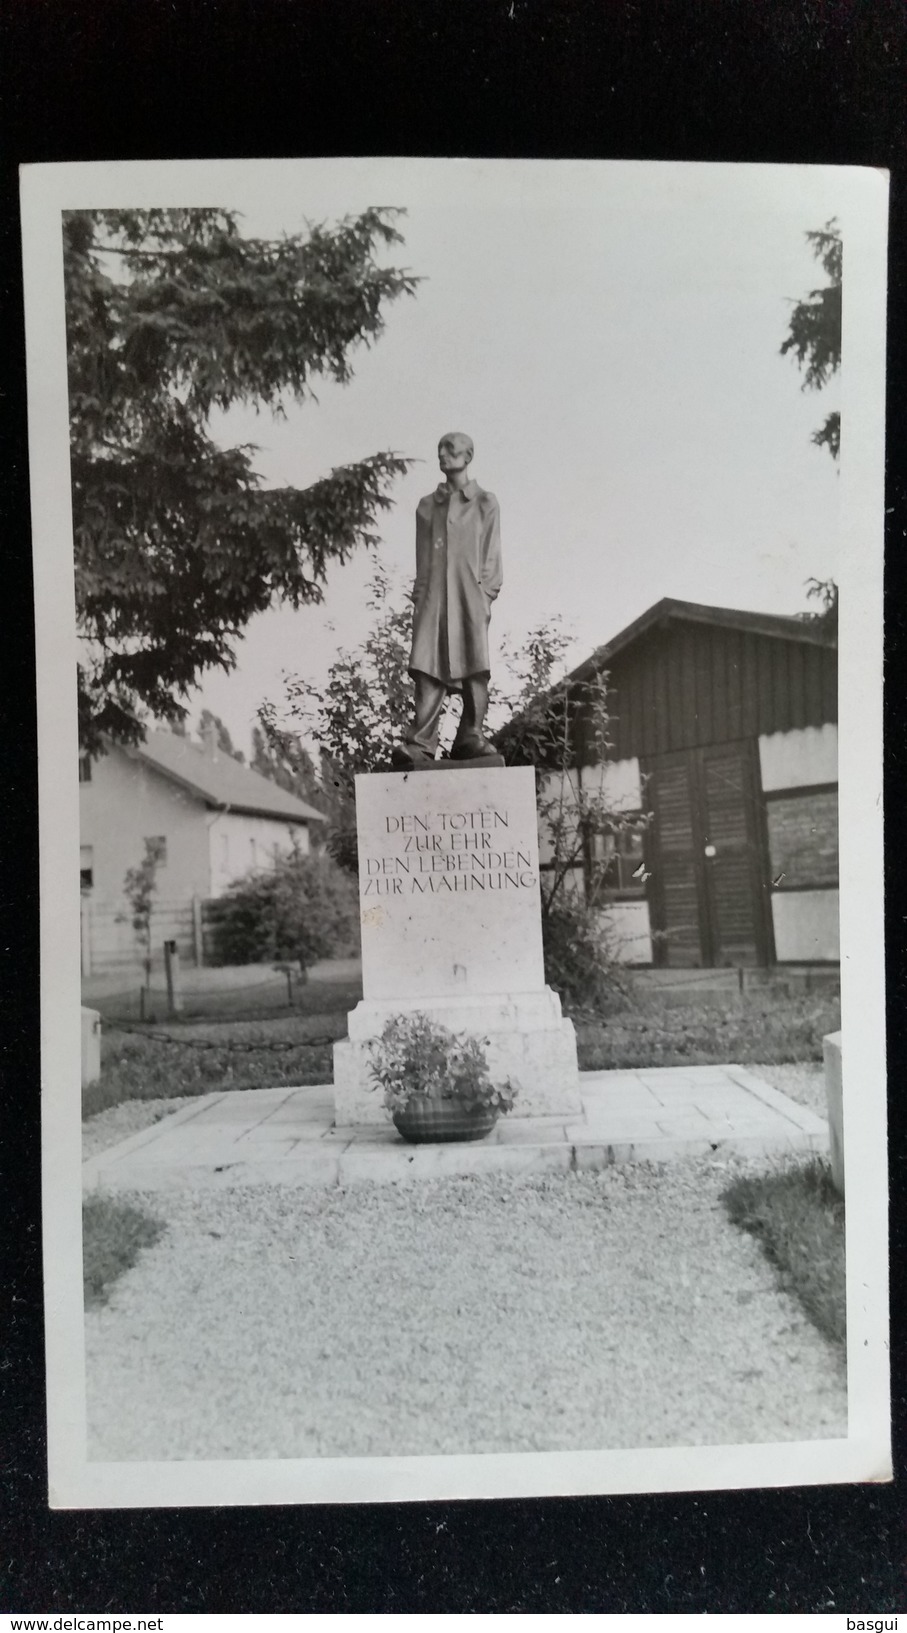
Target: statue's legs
{"x":470,"y":742}
{"x":420,"y":742}
{"x":430,"y":695}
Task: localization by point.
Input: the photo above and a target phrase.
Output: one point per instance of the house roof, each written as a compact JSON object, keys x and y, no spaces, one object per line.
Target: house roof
{"x":220,"y":780}
{"x":668,"y":610}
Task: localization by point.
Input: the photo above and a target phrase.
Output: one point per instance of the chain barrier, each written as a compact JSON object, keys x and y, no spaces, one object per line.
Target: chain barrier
{"x":228,"y":1045}
{"x":212,"y":994}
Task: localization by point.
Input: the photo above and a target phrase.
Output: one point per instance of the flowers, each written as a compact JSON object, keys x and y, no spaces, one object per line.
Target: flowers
{"x":416,"y":1056}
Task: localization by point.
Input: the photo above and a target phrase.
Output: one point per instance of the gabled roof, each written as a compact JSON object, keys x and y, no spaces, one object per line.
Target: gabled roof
{"x":220,"y":780}
{"x":667,"y":610}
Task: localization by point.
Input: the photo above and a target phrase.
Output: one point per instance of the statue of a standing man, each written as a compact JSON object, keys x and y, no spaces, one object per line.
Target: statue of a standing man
{"x":458,"y":575}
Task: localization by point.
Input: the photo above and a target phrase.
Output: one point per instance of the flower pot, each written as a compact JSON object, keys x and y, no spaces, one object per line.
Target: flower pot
{"x":428,"y":1121}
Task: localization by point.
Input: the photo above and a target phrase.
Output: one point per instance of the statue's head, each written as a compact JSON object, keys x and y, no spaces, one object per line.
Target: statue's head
{"x":455,"y":451}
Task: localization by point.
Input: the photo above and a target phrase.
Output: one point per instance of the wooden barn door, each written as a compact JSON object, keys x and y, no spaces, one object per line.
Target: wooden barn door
{"x":732,"y":849}
{"x":675,"y":865}
{"x":706,"y":855}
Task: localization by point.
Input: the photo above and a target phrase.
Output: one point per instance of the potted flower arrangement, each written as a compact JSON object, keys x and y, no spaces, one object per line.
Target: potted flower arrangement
{"x":436,"y":1083}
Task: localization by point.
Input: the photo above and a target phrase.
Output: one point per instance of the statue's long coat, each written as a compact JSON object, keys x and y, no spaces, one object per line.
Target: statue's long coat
{"x":458,"y":575}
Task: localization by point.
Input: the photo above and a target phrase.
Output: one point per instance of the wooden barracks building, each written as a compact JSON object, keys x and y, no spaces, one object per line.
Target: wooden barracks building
{"x":724,"y":728}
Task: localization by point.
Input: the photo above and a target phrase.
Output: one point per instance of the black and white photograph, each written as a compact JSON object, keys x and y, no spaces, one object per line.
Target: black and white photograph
{"x":459,"y":673}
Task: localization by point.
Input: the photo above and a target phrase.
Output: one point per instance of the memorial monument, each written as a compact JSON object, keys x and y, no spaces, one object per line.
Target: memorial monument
{"x":458,"y":576}
{"x":448,"y":865}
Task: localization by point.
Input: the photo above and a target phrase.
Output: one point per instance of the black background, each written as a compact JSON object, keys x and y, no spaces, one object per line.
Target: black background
{"x":748,"y":80}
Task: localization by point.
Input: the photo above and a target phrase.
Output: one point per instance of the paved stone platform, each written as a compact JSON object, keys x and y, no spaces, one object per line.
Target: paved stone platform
{"x":287,"y":1136}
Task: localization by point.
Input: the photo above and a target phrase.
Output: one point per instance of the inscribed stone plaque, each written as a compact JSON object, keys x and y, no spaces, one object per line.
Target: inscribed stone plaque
{"x":449,"y":883}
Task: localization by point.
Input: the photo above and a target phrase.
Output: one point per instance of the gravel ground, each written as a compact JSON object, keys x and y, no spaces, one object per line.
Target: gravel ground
{"x":804,"y":1082}
{"x":461,"y":1315}
{"x":120,"y":1122}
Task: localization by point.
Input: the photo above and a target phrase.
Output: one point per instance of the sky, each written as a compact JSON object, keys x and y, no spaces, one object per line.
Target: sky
{"x":609,"y":336}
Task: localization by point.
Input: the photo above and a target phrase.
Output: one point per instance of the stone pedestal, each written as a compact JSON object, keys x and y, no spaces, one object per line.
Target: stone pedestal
{"x":451,"y":927}
{"x":91,"y":1046}
{"x":834,"y":1096}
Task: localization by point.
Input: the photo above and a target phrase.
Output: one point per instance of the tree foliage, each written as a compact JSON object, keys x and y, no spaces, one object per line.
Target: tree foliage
{"x":361,"y":711}
{"x":814,"y":333}
{"x":562,"y":727}
{"x":302,"y":908}
{"x":281,"y":757}
{"x":825,"y":592}
{"x":539,"y":716}
{"x":140,"y":890}
{"x":366,"y":705}
{"x":171,"y":315}
{"x":560,"y":723}
{"x":209,"y":723}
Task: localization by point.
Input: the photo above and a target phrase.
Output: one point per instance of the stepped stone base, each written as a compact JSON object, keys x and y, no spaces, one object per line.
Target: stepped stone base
{"x":450,"y":911}
{"x":527,"y":1039}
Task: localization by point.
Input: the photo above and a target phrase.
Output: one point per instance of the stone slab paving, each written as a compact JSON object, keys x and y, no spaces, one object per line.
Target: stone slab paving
{"x":288,"y":1136}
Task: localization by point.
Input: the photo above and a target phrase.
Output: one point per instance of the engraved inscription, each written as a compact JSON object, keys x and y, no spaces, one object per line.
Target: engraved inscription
{"x":445,"y":852}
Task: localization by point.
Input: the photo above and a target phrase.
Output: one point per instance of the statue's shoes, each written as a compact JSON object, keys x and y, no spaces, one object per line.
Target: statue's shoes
{"x":411,"y":756}
{"x":473,"y":748}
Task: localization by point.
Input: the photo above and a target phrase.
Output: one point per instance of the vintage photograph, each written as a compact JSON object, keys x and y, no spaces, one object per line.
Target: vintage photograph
{"x":459,"y":647}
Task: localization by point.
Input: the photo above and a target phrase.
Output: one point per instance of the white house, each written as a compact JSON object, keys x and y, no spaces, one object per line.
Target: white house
{"x":211,"y":821}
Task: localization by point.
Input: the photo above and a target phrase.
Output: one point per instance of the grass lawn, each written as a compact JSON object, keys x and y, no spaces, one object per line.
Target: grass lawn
{"x":765,"y":1027}
{"x":294,"y":1046}
{"x":264,"y":999}
{"x":113,"y":1235}
{"x":198,"y":1057}
{"x":798,"y":1217}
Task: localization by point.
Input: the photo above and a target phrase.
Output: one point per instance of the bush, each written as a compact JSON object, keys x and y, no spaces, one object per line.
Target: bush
{"x":304,"y":907}
{"x":578,"y":963}
{"x":342,"y":844}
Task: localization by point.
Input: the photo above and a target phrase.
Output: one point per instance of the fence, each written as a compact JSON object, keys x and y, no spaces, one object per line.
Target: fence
{"x":109,"y":941}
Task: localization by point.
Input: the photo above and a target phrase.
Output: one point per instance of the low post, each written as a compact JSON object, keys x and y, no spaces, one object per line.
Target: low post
{"x":172,"y":973}
{"x":91,"y":1046}
{"x":198,"y":933}
{"x":287,"y":971}
{"x":834,"y":1094}
{"x":85,"y":932}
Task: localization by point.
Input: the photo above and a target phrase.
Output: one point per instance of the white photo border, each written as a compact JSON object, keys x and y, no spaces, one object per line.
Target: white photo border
{"x":865,"y":1454}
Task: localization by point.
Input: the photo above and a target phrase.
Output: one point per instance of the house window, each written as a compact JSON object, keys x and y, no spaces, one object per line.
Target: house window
{"x":803,"y":838}
{"x":617,"y":865}
{"x":156,"y":850}
{"x":86,"y":867}
{"x":84,"y":768}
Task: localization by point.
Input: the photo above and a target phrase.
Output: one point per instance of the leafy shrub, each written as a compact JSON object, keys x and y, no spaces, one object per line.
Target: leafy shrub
{"x":304,"y":907}
{"x":416,"y":1056}
{"x":342,"y":843}
{"x":578,"y":961}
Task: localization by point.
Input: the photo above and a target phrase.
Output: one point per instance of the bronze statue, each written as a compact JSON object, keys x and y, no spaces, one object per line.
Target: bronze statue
{"x":458,"y":575}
